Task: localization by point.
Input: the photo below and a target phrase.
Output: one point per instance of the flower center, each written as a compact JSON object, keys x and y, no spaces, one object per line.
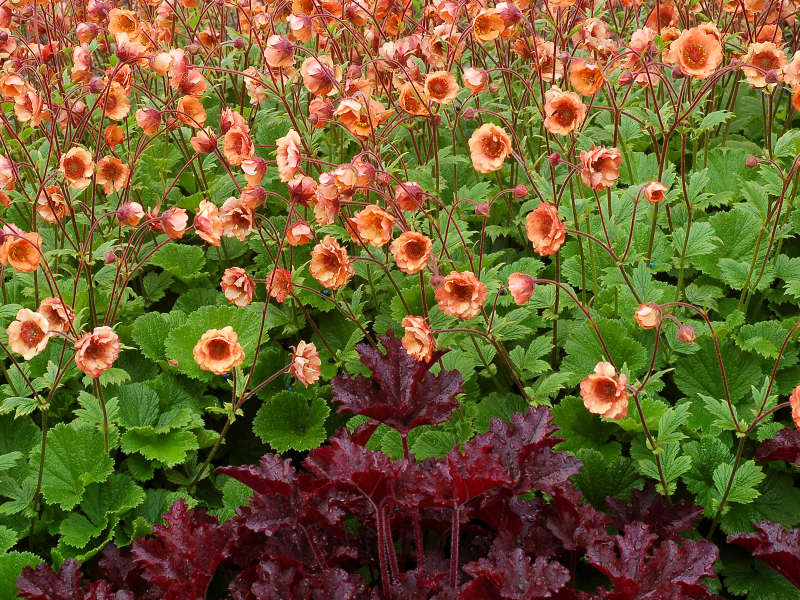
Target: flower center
{"x":765,"y":61}
{"x":492,"y":146}
{"x":438,"y":88}
{"x":31,"y":333}
{"x":20,"y":252}
{"x":462,"y":292}
{"x":73,"y":167}
{"x":565,"y":115}
{"x":607,"y":390}
{"x":218,"y":349}
{"x":94,"y":350}
{"x":695,"y":55}
{"x":415,"y":250}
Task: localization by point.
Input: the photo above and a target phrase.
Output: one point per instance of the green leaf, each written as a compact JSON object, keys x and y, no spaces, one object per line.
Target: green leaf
{"x":138,"y":406}
{"x":701,"y":374}
{"x":583,"y":430}
{"x":598,"y":481}
{"x":713,"y":119}
{"x":11,"y":565}
{"x":779,"y":503}
{"x":8,"y":537}
{"x":759,"y":582}
{"x":150,"y":331}
{"x":169,"y":448}
{"x":701,"y":240}
{"x":497,"y":406}
{"x":180,"y":342}
{"x":289,"y":420}
{"x":21,"y":406}
{"x":433,"y":444}
{"x":75,"y":457}
{"x":743,"y":489}
{"x":181,"y":260}
{"x":706,"y":455}
{"x":669,"y":424}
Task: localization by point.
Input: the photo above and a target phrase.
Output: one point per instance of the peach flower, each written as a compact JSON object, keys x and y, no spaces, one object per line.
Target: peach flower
{"x":279,"y":52}
{"x":565,"y":111}
{"x":418,"y":338}
{"x":19,"y":249}
{"x":237,"y":286}
{"x":51,"y":205}
{"x":413,"y":99}
{"x":237,"y":146}
{"x":149,"y":119}
{"x":791,"y":73}
{"x":654,"y":192}
{"x":761,"y":58}
{"x":374,"y":225}
{"x":794,"y":402}
{"x":113,"y":136}
{"x":441,"y":87}
{"x":320,"y":112}
{"x":130,"y":214}
{"x":207,"y":223}
{"x":545,"y":229}
{"x":600,"y":167}
{"x":330,"y":265}
{"x":697,"y":52}
{"x":686,"y":334}
{"x":115,"y":102}
{"x":306,"y":365}
{"x":204,"y":141}
{"x":59,"y":315}
{"x":461,"y":295}
{"x":489,"y":146}
{"x":409,"y":195}
{"x":521,"y":287}
{"x":648,"y":315}
{"x":487,"y":25}
{"x":411,"y":251}
{"x":6,"y":174}
{"x":298,"y":234}
{"x":603,"y":394}
{"x":254,"y":170}
{"x":586,"y":78}
{"x":174,"y":222}
{"x":112,"y":174}
{"x":319,"y":75}
{"x":218,"y":351}
{"x":289,"y":155}
{"x":279,"y":284}
{"x":475,"y":79}
{"x":28,"y":335}
{"x":191,"y":112}
{"x":30,"y":107}
{"x":237,"y":218}
{"x":95,"y":352}
{"x":77,"y":167}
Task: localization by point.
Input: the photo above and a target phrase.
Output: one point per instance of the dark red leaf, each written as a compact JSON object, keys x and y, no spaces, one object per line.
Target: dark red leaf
{"x":640,"y":571}
{"x":776,"y":546}
{"x":650,"y":507}
{"x":784,"y":446}
{"x":274,"y":475}
{"x":43,"y":583}
{"x":407,"y":396}
{"x":183,"y":555}
{"x":124,"y":573}
{"x":512,"y":576}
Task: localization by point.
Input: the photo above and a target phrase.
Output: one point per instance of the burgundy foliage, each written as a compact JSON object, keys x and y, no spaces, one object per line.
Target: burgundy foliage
{"x":776,"y":546}
{"x":784,"y":446}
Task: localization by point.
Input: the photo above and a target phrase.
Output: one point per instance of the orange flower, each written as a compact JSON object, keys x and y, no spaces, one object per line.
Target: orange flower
{"x":791,"y":73}
{"x":207,"y":223}
{"x":605,"y":395}
{"x":302,"y":190}
{"x":330,"y":265}
{"x":113,"y":136}
{"x":418,"y":338}
{"x":51,"y":204}
{"x":654,"y":192}
{"x":298,"y":234}
{"x":361,"y":119}
{"x":320,"y":112}
{"x":237,"y":286}
{"x":441,"y":87}
{"x":521,"y":287}
{"x":12,"y":85}
{"x":279,"y":52}
{"x":123,"y":21}
{"x":409,"y":195}
{"x":306,"y":365}
{"x":279,"y":284}
{"x":763,"y":58}
{"x":586,"y":78}
{"x":20,"y":249}
{"x":489,"y":146}
{"x":545,"y":229}
{"x":130,"y":214}
{"x":29,"y":107}
{"x":686,"y":334}
{"x":218,"y":351}
{"x":697,"y":52}
{"x":6,"y":174}
{"x":374,"y":225}
{"x":648,"y":315}
{"x":204,"y":141}
{"x":794,"y":401}
{"x":487,"y":26}
{"x":95,"y":352}
{"x":173,"y":222}
{"x":289,"y":155}
{"x":461,"y":295}
{"x":600,"y":167}
{"x":237,"y":146}
{"x":81,"y":70}
{"x":565,"y":111}
{"x":59,"y":316}
{"x":77,"y":167}
{"x":149,"y":119}
{"x":319,"y":75}
{"x":112,"y":174}
{"x":475,"y":79}
{"x":237,"y":218}
{"x":115,"y":102}
{"x":191,"y":112}
{"x":411,"y":251}
{"x":413,"y":99}
{"x":28,"y":335}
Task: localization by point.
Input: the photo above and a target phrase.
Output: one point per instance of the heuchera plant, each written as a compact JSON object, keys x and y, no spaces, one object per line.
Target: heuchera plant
{"x":496,"y":518}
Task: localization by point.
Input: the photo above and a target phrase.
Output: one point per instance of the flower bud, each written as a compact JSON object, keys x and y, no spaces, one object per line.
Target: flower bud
{"x":554,"y":159}
{"x":520,"y":191}
{"x":626,"y":78}
{"x":239,"y":43}
{"x":493,"y":88}
{"x":751,"y":162}
{"x":482,"y":209}
{"x":677,"y":73}
{"x":110,"y":258}
{"x":437,"y":281}
{"x":96,"y":85}
{"x":686,"y":334}
{"x":771,"y":77}
{"x":468,"y":114}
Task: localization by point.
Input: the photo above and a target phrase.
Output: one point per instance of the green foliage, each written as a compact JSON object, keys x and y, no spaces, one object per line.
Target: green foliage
{"x":291,"y":420}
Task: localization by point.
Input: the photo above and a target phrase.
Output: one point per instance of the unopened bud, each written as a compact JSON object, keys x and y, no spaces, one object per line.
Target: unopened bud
{"x":437,"y":281}
{"x":468,"y":114}
{"x":110,"y":258}
{"x":771,"y":77}
{"x":96,"y":85}
{"x":751,"y":162}
{"x":677,"y":73}
{"x":383,"y":178}
{"x":626,"y":78}
{"x":686,"y":334}
{"x":482,"y":209}
{"x":239,"y":43}
{"x":554,"y":159}
{"x":520,"y":191}
{"x":354,"y":72}
{"x":493,"y":88}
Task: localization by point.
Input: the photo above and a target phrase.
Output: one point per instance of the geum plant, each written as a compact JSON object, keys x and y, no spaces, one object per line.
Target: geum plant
{"x":588,"y":205}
